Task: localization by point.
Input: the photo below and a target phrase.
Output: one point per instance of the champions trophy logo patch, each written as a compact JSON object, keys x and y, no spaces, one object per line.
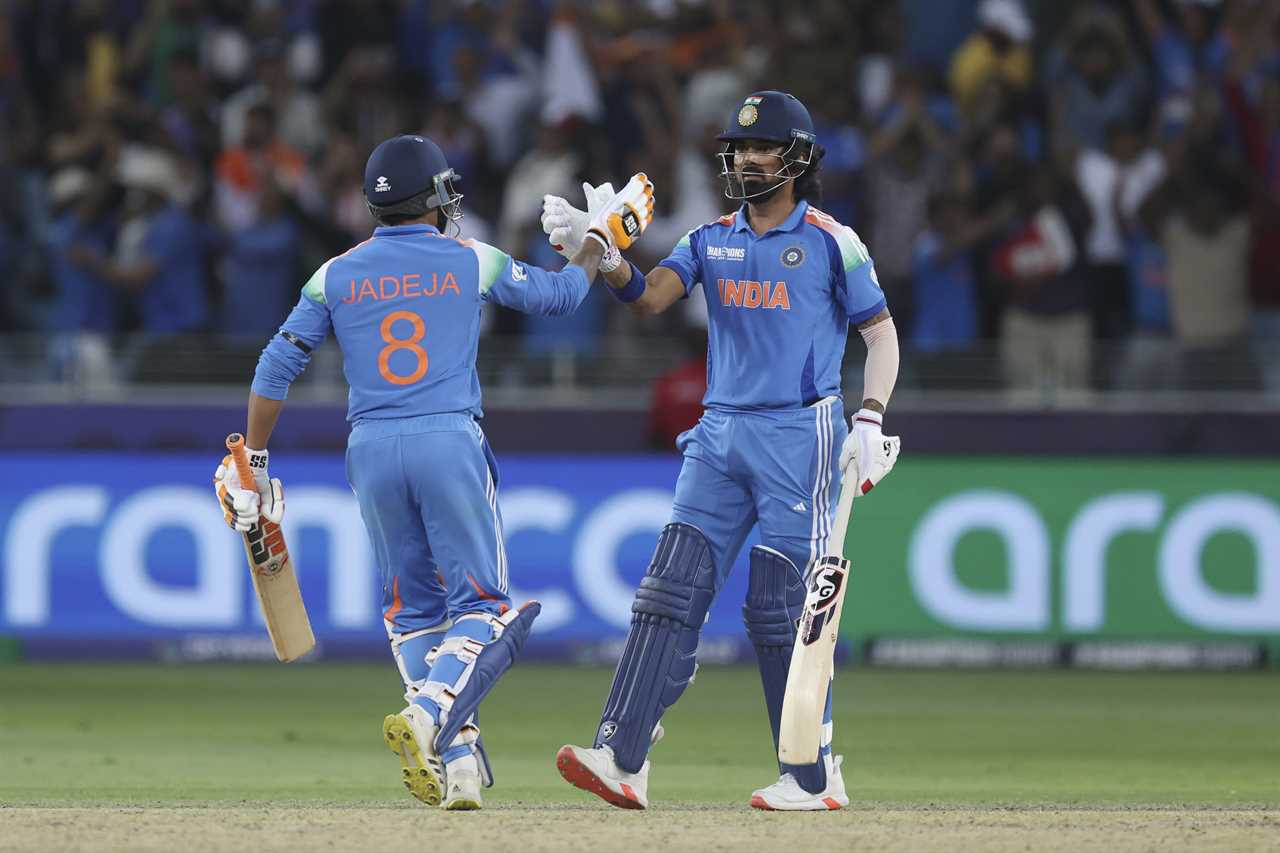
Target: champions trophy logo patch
{"x":608,"y":730}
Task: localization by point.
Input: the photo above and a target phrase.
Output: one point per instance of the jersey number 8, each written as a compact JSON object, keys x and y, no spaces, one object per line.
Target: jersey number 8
{"x":410,"y":343}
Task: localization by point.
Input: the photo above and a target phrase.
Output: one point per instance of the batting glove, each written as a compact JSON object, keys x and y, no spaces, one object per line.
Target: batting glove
{"x":241,"y":506}
{"x":867,"y":455}
{"x":620,"y":221}
{"x":566,"y":225}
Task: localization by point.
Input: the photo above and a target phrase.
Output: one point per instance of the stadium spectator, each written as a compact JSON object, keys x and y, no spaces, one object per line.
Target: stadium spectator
{"x":907,"y":163}
{"x":944,"y":330}
{"x":1114,"y":181}
{"x":999,"y":50}
{"x":1206,"y":238}
{"x":191,"y":121}
{"x":1094,"y":79}
{"x":1045,"y":338}
{"x":262,"y":269}
{"x":243,"y":169}
{"x":297,"y":110}
{"x":676,"y":403}
{"x":911,"y":99}
{"x":159,"y":253}
{"x":86,"y":306}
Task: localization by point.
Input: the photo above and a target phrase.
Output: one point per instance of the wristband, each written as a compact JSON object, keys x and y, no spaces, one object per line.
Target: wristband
{"x":634,"y":288}
{"x":600,"y":237}
{"x":611,"y":260}
{"x":868,"y":416}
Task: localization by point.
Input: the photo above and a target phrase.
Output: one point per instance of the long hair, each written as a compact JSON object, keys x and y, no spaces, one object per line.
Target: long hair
{"x":808,"y":187}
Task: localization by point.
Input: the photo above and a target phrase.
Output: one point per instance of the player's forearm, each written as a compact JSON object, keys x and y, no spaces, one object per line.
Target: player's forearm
{"x":653,"y":299}
{"x":588,"y":257}
{"x":618,"y":280}
{"x":263,"y":414}
{"x":881,"y":371}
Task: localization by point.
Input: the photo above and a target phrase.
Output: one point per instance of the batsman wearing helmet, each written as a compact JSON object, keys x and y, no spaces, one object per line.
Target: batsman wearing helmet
{"x":405,"y":309}
{"x":783,"y":282}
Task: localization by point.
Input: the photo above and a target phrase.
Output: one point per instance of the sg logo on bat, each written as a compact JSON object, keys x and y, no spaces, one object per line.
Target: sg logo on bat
{"x":266,"y":544}
{"x":829,"y":577}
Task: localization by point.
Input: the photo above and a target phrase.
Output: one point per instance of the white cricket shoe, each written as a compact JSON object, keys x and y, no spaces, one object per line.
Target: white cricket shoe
{"x":410,"y":735}
{"x":462,"y":781}
{"x":786,"y":795}
{"x":595,"y":770}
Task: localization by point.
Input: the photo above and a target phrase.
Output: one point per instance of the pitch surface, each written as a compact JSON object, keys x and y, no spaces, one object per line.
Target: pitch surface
{"x":212,"y":757}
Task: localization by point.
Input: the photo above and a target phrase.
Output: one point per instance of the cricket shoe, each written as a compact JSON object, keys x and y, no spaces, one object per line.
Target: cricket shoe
{"x":409,"y":735}
{"x":786,"y":795}
{"x":462,"y":781}
{"x":595,"y":770}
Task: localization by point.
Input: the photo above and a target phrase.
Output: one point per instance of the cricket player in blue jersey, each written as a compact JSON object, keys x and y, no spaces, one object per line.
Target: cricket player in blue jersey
{"x":783,"y":283}
{"x":405,"y":309}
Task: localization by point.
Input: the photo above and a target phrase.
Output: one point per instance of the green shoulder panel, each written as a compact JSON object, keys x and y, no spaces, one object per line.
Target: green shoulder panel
{"x":852,"y":250}
{"x":492,"y":263}
{"x":314,"y":288}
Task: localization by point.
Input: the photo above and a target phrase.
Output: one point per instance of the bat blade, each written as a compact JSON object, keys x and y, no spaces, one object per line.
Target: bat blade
{"x":813,"y":656}
{"x":279,"y":596}
{"x":274,"y":579}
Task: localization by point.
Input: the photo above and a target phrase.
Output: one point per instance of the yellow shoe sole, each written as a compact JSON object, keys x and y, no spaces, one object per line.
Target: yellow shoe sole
{"x":421,"y":780}
{"x":462,"y":804}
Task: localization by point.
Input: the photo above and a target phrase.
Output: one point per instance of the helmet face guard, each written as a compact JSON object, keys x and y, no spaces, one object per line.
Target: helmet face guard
{"x":793,"y":166}
{"x":442,"y":195}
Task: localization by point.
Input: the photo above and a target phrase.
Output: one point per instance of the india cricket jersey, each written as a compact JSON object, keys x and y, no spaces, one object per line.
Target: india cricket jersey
{"x":405,"y":307}
{"x":779,"y":306}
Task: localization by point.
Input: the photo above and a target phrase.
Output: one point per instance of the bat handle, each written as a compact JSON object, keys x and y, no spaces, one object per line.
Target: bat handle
{"x":235,"y":444}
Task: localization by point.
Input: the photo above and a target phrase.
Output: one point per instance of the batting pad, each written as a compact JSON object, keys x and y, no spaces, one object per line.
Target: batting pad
{"x":659,"y":659}
{"x":775,"y":600}
{"x":489,"y":665}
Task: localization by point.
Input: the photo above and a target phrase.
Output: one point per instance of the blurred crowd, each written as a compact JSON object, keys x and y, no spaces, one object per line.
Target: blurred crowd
{"x":1056,"y":194}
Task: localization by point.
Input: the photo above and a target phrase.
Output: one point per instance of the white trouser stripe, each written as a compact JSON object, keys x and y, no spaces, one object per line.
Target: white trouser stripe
{"x":824,"y":516}
{"x":819,"y":525}
{"x":491,"y":493}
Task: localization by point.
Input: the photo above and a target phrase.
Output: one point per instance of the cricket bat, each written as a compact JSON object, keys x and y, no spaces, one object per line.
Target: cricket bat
{"x":813,"y":657}
{"x":273,"y":575}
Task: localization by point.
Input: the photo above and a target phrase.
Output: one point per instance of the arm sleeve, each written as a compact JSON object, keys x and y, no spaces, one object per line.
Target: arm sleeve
{"x":288,"y":353}
{"x":853,"y":275}
{"x":526,"y":288}
{"x":685,"y":261}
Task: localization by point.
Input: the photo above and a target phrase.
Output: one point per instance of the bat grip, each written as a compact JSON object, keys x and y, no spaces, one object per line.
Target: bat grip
{"x":235,"y":444}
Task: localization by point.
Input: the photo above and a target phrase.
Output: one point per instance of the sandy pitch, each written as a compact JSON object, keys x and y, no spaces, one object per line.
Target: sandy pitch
{"x":591,"y":827}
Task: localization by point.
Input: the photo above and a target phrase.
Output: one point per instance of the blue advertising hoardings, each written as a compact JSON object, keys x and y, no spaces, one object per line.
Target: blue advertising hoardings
{"x":121,"y":551}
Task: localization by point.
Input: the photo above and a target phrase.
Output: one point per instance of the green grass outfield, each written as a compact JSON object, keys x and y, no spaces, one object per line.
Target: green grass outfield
{"x":152,"y":734}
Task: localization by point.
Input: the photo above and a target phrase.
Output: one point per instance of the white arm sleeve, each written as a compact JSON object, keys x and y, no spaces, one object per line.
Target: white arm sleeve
{"x":881,"y":371}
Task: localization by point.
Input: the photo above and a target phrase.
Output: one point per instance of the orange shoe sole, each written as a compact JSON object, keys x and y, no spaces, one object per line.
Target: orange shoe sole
{"x":579,"y":775}
{"x":758,"y":802}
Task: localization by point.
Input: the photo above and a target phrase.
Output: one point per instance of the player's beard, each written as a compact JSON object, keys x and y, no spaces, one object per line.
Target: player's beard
{"x":754,"y":182}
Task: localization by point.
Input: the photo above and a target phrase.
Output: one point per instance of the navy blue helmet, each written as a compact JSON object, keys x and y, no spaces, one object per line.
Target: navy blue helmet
{"x":409,"y":175}
{"x":769,"y":116}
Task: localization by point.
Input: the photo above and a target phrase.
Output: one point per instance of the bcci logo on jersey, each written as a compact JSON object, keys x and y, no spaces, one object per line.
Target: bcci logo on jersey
{"x":792,"y":257}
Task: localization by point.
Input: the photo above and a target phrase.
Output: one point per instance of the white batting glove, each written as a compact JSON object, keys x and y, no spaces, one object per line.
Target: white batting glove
{"x":620,"y":221}
{"x":241,"y":507}
{"x":566,"y":225}
{"x":867,"y":455}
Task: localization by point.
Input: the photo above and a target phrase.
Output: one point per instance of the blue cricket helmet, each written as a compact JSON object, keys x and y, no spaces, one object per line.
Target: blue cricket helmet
{"x":771,"y":116}
{"x":409,"y":175}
